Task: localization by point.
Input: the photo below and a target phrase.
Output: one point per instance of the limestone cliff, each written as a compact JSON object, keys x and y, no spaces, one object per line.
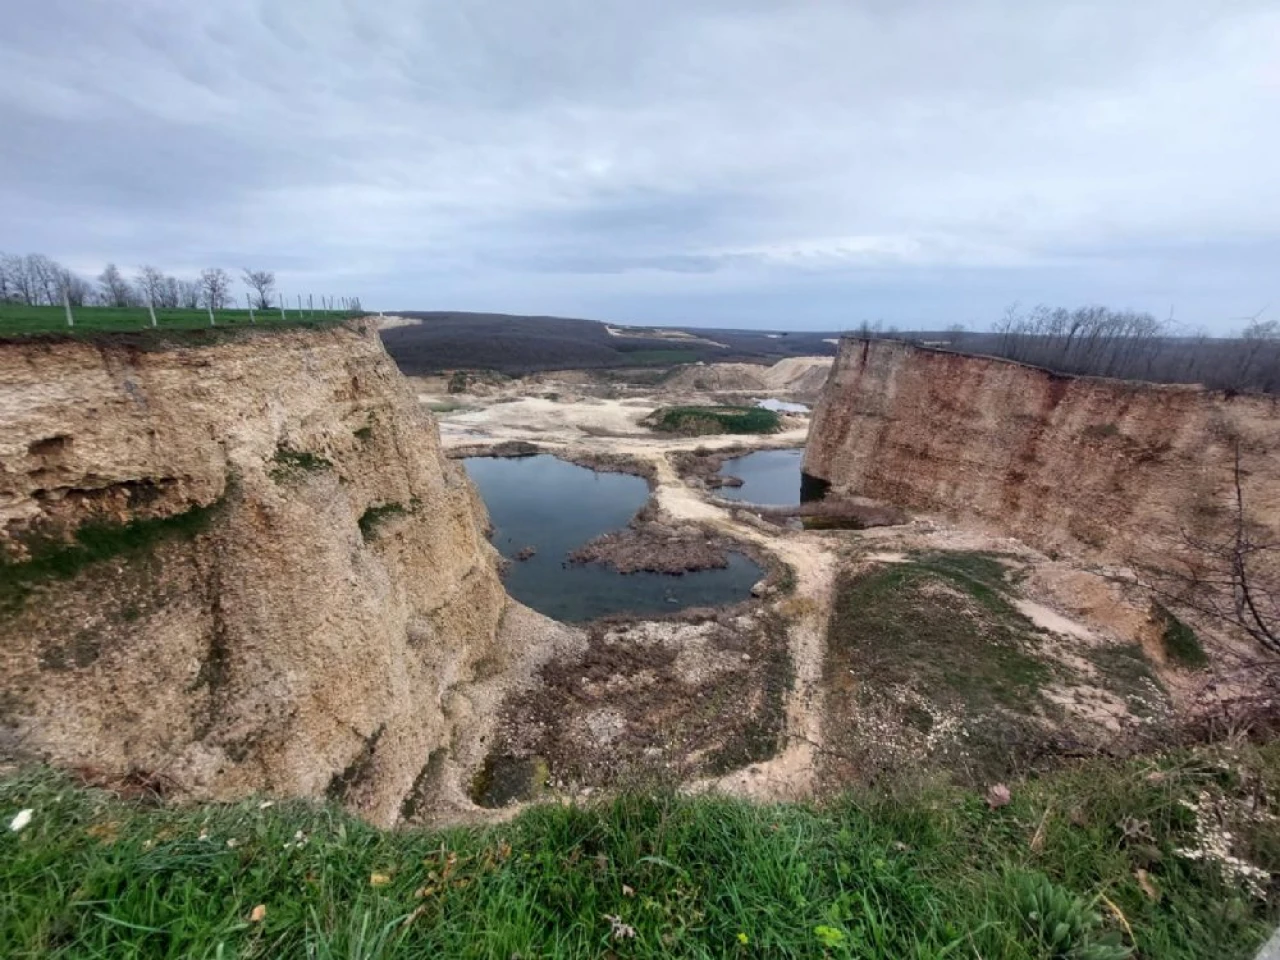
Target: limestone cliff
{"x":235,"y":566}
{"x":1105,"y":467}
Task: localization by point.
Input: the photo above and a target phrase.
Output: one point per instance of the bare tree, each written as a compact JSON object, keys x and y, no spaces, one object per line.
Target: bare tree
{"x":43,"y":278}
{"x":114,"y":287}
{"x":7,"y":289}
{"x":21,"y":286}
{"x":262,"y":282}
{"x":188,"y":294}
{"x":1130,"y":345}
{"x":151,"y":286}
{"x":215,"y":288}
{"x":1233,"y":577}
{"x":79,"y":292}
{"x":170,"y":297}
{"x":1263,"y":330}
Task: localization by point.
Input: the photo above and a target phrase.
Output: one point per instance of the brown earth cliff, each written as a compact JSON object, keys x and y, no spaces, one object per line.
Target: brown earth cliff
{"x":1112,"y":469}
{"x":236,"y":566}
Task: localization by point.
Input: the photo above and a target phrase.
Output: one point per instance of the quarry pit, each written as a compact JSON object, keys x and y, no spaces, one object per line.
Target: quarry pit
{"x":785,"y":695}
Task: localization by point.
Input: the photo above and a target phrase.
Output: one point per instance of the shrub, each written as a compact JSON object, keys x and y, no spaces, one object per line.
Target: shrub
{"x":371,"y":518}
{"x":1181,"y":645}
{"x":696,"y":421}
{"x":292,"y":463}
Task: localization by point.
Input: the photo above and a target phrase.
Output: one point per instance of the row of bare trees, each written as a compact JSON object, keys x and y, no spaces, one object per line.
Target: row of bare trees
{"x":37,"y":280}
{"x":1130,"y":345}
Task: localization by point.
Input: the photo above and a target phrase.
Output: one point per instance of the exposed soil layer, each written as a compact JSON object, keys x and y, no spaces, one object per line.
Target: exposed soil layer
{"x":1105,"y":469}
{"x":213,"y":568}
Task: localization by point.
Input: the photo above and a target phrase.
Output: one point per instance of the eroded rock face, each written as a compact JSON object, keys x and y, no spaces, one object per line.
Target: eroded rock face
{"x":280,"y":584}
{"x":1114,"y":469}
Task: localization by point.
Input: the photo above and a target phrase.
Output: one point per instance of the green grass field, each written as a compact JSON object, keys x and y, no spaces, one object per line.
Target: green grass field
{"x":1096,"y":862}
{"x":17,"y":320}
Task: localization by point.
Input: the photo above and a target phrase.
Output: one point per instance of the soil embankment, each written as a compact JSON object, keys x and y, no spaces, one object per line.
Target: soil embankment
{"x":236,"y":567}
{"x":1114,"y":469}
{"x":800,"y":377}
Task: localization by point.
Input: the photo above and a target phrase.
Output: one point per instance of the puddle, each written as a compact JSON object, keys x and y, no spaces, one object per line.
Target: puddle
{"x":555,"y":507}
{"x":769,"y":478}
{"x":782,"y":406}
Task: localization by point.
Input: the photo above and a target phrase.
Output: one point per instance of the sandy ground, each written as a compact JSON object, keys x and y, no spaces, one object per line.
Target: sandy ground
{"x":1077,"y":605}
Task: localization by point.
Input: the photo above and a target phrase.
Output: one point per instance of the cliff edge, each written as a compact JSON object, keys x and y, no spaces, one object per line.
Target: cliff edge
{"x":1115,"y":469}
{"x":234,"y":567}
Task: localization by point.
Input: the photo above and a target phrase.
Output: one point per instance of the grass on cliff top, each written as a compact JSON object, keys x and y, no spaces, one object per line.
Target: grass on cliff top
{"x":18,"y":320}
{"x":1083,"y":864}
{"x":697,"y":421}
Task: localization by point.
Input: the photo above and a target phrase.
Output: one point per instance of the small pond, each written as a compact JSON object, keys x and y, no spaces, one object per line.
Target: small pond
{"x":769,"y":478}
{"x":555,"y":507}
{"x":782,"y":406}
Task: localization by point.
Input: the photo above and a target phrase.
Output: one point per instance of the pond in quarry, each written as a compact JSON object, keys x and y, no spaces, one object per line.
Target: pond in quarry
{"x":769,"y":477}
{"x":554,"y":507}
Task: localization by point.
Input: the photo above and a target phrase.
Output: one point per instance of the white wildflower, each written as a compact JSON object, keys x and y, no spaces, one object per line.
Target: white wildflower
{"x":618,"y":929}
{"x":1213,"y":845}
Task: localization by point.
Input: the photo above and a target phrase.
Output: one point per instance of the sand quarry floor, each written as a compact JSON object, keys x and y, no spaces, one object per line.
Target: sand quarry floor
{"x":628,"y":702}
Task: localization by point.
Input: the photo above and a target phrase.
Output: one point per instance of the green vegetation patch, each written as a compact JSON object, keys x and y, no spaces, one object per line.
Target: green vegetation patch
{"x":660,"y":357}
{"x":289,"y":464}
{"x":1090,"y":862}
{"x":1181,"y":644}
{"x":697,"y":421}
{"x":375,"y":515}
{"x":932,"y":654}
{"x":916,"y":624}
{"x":935,"y":655}
{"x":18,"y":320}
{"x":96,"y":541}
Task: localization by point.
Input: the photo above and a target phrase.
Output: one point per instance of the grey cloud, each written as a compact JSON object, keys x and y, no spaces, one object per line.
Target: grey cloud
{"x":709,"y":161}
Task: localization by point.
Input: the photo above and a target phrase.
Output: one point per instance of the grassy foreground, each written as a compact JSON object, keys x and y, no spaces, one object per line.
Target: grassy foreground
{"x":17,"y":320}
{"x":1084,"y":864}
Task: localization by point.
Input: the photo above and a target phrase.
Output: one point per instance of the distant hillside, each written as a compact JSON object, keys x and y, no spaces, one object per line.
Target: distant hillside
{"x":519,"y":344}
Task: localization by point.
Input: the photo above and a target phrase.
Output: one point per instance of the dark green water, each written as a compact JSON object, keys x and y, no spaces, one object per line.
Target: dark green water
{"x":556,"y":507}
{"x":770,"y":478}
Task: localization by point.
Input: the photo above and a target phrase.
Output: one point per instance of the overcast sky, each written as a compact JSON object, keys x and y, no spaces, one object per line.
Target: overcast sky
{"x":780,"y":164}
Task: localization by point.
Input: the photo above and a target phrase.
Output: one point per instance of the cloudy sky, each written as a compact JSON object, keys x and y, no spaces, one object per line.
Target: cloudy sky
{"x":804,"y":164}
